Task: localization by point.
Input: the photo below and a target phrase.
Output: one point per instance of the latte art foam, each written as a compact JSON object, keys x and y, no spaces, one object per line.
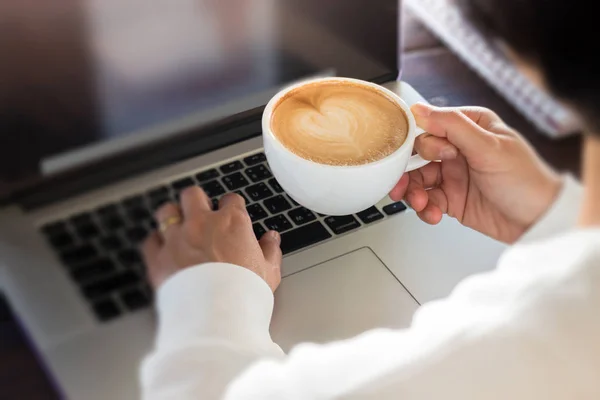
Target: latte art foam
{"x":339,"y":123}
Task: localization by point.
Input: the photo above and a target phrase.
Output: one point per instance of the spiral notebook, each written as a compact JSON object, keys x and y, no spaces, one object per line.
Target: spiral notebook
{"x":444,"y":19}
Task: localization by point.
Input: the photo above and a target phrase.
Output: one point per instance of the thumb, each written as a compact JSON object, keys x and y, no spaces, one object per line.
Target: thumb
{"x":269,"y":243}
{"x":456,"y":127}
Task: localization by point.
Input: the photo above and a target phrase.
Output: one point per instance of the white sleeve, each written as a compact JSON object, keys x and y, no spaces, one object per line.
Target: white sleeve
{"x":213,"y":322}
{"x":505,"y":334}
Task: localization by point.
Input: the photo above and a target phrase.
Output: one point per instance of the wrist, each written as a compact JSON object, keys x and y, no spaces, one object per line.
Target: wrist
{"x":561,"y":215}
{"x":551,"y":188}
{"x":546,"y":189}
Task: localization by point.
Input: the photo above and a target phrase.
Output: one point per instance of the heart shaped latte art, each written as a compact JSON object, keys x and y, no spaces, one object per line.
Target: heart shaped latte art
{"x":339,"y":124}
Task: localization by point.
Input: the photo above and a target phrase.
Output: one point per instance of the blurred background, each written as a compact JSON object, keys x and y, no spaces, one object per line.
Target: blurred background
{"x":81,"y":78}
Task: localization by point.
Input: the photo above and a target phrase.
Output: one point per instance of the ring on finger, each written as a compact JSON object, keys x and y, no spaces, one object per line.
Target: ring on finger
{"x":165,"y":224}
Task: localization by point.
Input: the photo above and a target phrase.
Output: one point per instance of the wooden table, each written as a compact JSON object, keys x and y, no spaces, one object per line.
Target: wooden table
{"x":434,"y":71}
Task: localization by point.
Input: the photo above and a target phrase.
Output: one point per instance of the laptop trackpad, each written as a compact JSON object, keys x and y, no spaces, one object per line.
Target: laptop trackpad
{"x":339,"y":299}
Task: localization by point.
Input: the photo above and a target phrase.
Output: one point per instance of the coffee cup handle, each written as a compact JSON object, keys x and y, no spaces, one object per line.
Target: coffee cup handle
{"x":416,"y":161}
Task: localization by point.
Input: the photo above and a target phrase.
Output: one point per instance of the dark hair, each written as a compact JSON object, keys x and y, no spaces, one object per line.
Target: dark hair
{"x":561,"y":37}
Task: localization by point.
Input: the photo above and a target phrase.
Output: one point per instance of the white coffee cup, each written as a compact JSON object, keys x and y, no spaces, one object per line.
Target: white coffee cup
{"x":332,"y":189}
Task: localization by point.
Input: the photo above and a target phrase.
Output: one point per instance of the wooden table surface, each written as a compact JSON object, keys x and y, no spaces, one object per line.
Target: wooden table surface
{"x":434,"y":71}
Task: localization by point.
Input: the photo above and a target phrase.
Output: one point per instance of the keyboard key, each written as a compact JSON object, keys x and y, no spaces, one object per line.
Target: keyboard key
{"x":145,"y":288}
{"x":255,"y":159}
{"x":275,"y":185}
{"x":159,"y":196}
{"x":394,"y":208}
{"x":136,"y":234}
{"x":109,"y":209}
{"x":58,"y":234}
{"x":55,"y":228}
{"x":110,"y":243}
{"x":81,"y":219}
{"x":61,"y":240}
{"x":278,"y":223}
{"x":106,"y":310}
{"x":134,"y":201}
{"x":243,"y":195}
{"x":129,"y":257}
{"x":139,"y":269}
{"x":215,"y":204}
{"x":139,"y":213}
{"x":342,"y":224}
{"x":85,"y":226}
{"x":231,"y":167}
{"x":258,"y":192}
{"x":78,"y":254}
{"x":294,"y":202}
{"x":135,"y":299}
{"x":213,"y":188}
{"x":235,"y":181}
{"x":158,"y":202}
{"x":113,"y":222}
{"x":277,"y":204}
{"x":258,"y":230}
{"x":301,"y":216}
{"x":370,"y":215}
{"x":110,"y":217}
{"x":88,"y":231}
{"x":108,"y":285}
{"x":159,"y":192}
{"x":258,"y":173}
{"x":303,"y":237}
{"x":181,"y":184}
{"x":93,"y":270}
{"x":207,"y":175}
{"x":256,"y":212}
{"x":149,"y":225}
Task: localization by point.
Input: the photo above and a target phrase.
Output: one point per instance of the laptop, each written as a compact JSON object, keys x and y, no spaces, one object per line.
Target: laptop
{"x":118,"y":105}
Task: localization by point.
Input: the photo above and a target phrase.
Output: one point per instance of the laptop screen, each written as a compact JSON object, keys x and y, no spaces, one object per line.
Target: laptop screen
{"x":83,"y":80}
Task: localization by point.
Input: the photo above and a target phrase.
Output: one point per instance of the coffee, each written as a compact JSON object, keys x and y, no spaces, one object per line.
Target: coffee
{"x":339,"y":123}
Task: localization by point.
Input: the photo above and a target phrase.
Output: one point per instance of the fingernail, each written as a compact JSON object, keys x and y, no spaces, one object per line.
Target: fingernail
{"x":421,"y":110}
{"x":276,"y":236}
{"x":448,"y":153}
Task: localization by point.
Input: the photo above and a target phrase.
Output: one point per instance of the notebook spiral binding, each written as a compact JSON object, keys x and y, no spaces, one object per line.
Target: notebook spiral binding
{"x":445,"y":20}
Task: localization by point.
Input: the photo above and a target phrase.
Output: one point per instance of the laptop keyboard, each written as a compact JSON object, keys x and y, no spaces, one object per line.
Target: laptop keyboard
{"x":99,"y":248}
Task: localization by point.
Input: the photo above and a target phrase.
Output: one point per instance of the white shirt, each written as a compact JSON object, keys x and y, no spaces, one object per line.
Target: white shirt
{"x":530,"y":329}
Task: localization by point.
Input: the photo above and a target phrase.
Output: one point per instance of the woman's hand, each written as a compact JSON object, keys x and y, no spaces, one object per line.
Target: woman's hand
{"x":489,"y":178}
{"x":193,"y":234}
